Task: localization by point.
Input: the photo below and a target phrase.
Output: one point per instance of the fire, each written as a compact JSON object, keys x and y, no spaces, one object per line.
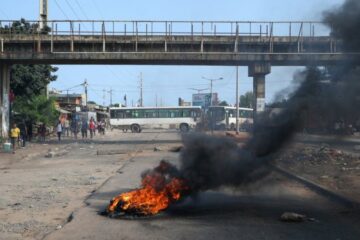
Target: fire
{"x":155,"y":195}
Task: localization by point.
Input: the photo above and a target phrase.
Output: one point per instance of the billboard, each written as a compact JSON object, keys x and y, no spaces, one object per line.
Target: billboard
{"x":203,"y":99}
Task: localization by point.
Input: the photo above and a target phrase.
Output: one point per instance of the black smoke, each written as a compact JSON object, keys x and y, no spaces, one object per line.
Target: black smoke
{"x":345,"y":24}
{"x":326,"y":94}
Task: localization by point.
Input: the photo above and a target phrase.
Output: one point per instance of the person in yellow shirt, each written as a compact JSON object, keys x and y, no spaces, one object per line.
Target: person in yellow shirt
{"x":14,"y":135}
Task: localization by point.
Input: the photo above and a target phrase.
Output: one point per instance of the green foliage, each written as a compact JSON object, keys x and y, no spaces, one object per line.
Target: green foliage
{"x":24,"y":27}
{"x":30,"y":80}
{"x":36,"y":109}
{"x":223,"y":103}
{"x":247,"y":100}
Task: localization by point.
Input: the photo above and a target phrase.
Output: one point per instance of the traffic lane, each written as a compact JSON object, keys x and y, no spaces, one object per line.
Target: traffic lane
{"x":213,"y":215}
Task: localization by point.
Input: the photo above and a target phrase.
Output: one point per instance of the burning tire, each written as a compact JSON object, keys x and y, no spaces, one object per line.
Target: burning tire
{"x":135,"y":128}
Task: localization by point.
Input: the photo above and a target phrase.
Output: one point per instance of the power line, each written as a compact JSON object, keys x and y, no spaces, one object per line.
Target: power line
{"x":7,"y":16}
{"x":82,"y":11}
{"x":57,"y":4}
{"x":98,"y":9}
{"x":72,"y":9}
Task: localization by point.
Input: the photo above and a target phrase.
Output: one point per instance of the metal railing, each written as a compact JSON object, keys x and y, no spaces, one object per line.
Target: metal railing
{"x":169,"y":28}
{"x":74,"y":30}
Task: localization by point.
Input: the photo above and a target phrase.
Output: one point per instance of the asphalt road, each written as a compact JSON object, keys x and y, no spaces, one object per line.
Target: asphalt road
{"x":251,"y":213}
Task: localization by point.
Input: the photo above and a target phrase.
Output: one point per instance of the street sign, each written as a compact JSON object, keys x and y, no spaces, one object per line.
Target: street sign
{"x":204,"y":99}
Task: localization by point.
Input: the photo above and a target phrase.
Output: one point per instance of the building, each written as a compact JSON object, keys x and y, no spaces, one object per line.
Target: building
{"x":69,"y":102}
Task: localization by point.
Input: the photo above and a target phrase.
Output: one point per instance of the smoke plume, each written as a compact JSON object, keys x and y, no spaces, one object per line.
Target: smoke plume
{"x":325,"y":95}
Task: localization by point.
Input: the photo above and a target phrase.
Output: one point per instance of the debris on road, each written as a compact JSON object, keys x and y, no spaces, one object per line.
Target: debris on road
{"x":176,"y":148}
{"x":55,"y":153}
{"x":157,"y":149}
{"x":292,"y":217}
{"x":111,"y":152}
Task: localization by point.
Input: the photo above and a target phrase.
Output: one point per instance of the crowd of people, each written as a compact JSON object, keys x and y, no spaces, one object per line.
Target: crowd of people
{"x":20,"y":134}
{"x":71,"y":128}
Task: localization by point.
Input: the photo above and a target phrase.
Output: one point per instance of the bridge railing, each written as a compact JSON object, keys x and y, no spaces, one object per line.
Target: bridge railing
{"x":166,"y":28}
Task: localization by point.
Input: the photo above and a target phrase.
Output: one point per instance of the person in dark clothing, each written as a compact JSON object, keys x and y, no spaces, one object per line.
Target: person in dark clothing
{"x":23,"y":134}
{"x":84,"y":129}
{"x":29,"y":127}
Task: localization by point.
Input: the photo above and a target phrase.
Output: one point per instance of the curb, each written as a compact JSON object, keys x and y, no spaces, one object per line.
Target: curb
{"x":325,"y":192}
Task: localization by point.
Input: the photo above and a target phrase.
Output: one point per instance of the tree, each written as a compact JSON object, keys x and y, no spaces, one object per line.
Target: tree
{"x":24,"y":27}
{"x":36,"y":109}
{"x":31,"y":80}
{"x":28,"y":80}
{"x":223,"y":103}
{"x":247,"y":100}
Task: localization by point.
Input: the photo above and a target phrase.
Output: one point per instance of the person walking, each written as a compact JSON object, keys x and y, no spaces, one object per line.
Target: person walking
{"x":74,"y":128}
{"x":59,"y":130}
{"x":23,"y":134}
{"x":84,"y":128}
{"x":66,"y":127}
{"x":29,"y":127}
{"x":92,"y":128}
{"x":42,"y":132}
{"x":14,"y":135}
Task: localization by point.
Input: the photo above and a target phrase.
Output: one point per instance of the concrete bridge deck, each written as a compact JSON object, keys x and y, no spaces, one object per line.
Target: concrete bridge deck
{"x":171,"y":43}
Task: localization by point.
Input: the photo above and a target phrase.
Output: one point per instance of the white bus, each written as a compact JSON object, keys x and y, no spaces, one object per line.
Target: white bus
{"x":138,"y":118}
{"x":224,"y":118}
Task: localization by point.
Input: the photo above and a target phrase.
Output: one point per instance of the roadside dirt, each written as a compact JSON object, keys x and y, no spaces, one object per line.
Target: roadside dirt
{"x":38,"y":194}
{"x":332,"y":167}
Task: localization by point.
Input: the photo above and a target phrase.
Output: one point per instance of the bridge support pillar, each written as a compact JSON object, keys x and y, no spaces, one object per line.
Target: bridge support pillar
{"x":258,"y":71}
{"x":4,"y":100}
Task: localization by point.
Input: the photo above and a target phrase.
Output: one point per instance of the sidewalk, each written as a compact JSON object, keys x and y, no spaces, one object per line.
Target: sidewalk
{"x":31,"y":150}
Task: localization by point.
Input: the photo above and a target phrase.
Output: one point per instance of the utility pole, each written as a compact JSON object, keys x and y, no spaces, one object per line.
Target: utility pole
{"x":85,"y":84}
{"x":156,"y":100}
{"x":104,"y":97}
{"x":110,"y":92}
{"x":237,"y":100}
{"x":141,"y":91}
{"x":211,"y":87}
{"x":43,"y":14}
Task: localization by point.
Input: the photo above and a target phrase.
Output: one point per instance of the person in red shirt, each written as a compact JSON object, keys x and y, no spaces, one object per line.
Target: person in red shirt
{"x":92,"y":128}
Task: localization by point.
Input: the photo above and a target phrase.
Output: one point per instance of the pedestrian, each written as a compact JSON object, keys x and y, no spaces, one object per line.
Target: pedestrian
{"x":66,"y":127}
{"x":42,"y":132}
{"x":59,"y":129}
{"x":29,"y":127}
{"x":84,"y":128}
{"x":14,"y":135}
{"x":74,"y":128}
{"x":23,"y":134}
{"x":102,"y":126}
{"x":92,"y":127}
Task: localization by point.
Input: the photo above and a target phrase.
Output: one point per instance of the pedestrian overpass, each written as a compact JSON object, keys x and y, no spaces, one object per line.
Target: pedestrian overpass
{"x":258,"y":45}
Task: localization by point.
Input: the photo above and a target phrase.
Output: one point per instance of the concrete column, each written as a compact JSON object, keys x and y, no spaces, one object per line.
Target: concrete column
{"x":4,"y":100}
{"x":258,"y":71}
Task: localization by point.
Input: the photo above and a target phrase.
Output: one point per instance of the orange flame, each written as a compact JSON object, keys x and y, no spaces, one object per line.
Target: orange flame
{"x":154,"y":196}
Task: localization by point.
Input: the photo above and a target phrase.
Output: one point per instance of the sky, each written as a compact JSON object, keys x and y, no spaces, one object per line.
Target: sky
{"x":167,"y":83}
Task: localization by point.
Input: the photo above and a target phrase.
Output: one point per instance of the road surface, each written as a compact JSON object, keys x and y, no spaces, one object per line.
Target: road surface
{"x":246,"y":213}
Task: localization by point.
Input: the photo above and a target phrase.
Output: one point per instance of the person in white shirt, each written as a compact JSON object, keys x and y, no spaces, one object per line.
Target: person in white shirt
{"x":59,"y":130}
